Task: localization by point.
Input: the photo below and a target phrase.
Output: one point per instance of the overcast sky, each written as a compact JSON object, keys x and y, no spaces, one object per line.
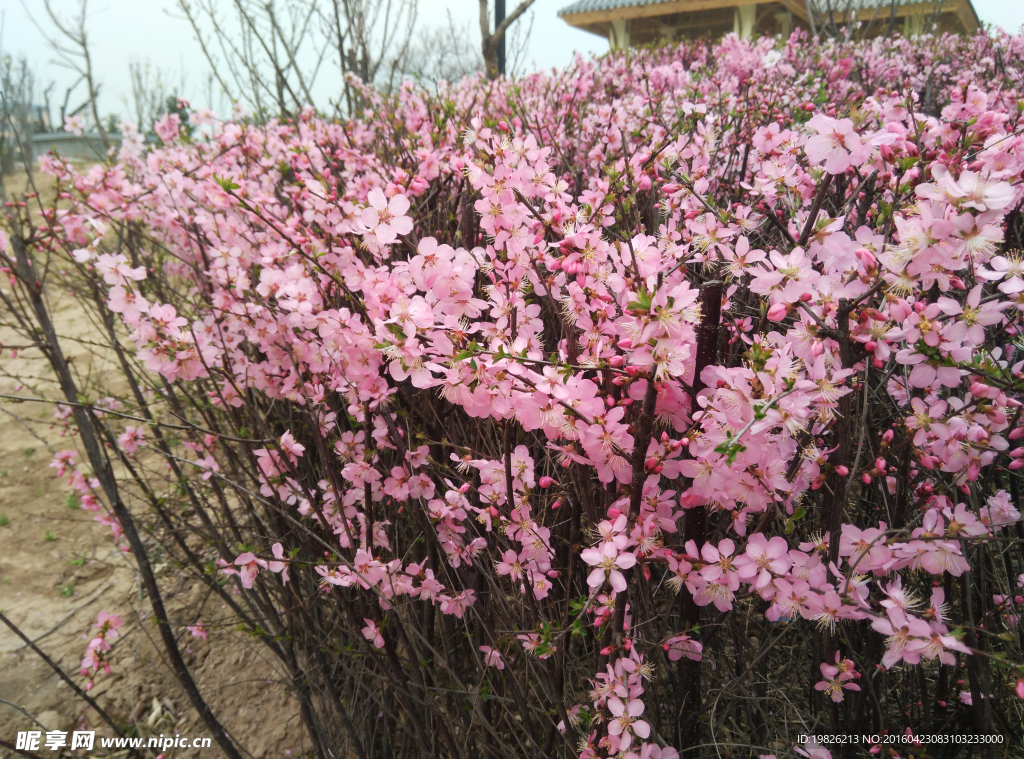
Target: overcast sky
{"x":154,"y":30}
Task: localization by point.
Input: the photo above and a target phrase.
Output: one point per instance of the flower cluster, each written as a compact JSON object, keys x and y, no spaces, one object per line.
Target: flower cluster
{"x":95,"y":653}
{"x":726,"y":322}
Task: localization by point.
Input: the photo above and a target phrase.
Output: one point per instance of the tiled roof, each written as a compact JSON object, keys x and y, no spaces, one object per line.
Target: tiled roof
{"x":586,"y":6}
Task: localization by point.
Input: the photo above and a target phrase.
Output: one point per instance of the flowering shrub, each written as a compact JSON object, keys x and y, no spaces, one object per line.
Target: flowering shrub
{"x":669,"y":400}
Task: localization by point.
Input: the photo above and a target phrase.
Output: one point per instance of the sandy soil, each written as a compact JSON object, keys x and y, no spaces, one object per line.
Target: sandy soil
{"x":59,"y":569}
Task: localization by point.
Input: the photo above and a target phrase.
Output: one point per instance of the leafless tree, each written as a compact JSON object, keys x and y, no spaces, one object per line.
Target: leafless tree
{"x":149,"y":94}
{"x":20,"y":116}
{"x":490,"y":40}
{"x":270,"y":54}
{"x":839,"y":18}
{"x":69,"y":41}
{"x":444,"y":53}
{"x":518,"y":46}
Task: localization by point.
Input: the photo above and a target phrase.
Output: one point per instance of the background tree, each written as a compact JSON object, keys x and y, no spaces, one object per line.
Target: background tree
{"x":270,"y":56}
{"x":21,"y":116}
{"x":491,"y":40}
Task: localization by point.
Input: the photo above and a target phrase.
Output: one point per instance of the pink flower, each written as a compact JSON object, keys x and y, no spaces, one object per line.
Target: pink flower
{"x":683,"y":645}
{"x":969,"y":191}
{"x":209,"y":465}
{"x":372,"y":634}
{"x":836,"y":144}
{"x":763,"y":558}
{"x":457,"y":605}
{"x":837,"y":678}
{"x":1009,"y":268}
{"x":292,"y":449}
{"x":131,"y":439}
{"x":492,"y":657}
{"x":607,"y":561}
{"x":906,"y":637}
{"x":107,"y":624}
{"x":280,"y":565}
{"x":625,"y":722}
{"x":250,"y":567}
{"x":721,"y":566}
{"x":74,"y":124}
{"x":384,"y":219}
{"x":510,"y":566}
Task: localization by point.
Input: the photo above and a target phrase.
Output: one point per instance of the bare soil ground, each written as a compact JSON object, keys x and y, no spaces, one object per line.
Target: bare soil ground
{"x":59,"y":568}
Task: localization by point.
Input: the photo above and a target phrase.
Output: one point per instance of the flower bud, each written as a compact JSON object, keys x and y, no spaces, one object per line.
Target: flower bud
{"x":546,"y":482}
{"x":867,"y":259}
{"x":778,"y":312}
{"x":981,"y":390}
{"x":842,"y":471}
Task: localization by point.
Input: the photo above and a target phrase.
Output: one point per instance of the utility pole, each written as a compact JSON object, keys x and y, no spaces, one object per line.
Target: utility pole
{"x":499,"y":16}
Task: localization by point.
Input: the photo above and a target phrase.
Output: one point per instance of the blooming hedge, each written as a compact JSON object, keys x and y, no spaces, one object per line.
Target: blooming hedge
{"x":666,"y":402}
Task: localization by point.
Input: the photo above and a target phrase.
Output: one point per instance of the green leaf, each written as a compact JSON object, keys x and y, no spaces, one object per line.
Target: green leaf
{"x":226,"y":184}
{"x":730,"y":450}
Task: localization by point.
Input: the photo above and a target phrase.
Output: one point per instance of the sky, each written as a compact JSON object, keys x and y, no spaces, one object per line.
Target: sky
{"x":121,"y":31}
